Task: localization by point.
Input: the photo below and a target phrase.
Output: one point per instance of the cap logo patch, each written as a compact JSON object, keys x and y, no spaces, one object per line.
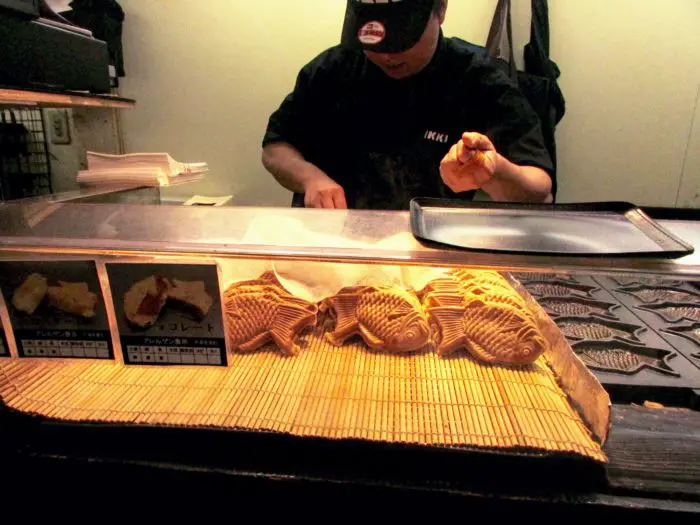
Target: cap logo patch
{"x":372,"y":33}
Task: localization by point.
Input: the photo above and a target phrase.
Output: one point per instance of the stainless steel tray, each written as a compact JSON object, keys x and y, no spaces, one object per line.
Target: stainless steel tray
{"x":603,"y":229}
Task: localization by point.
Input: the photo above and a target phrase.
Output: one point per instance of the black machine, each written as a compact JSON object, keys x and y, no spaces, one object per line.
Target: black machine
{"x":25,"y":7}
{"x":43,"y":54}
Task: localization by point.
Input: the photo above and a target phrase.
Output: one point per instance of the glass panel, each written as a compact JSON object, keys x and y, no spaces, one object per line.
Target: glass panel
{"x":350,"y":236}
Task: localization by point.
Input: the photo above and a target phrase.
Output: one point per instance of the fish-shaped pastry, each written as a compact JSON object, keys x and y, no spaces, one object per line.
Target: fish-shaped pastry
{"x":387,"y":317}
{"x":469,"y":275}
{"x":579,"y":307}
{"x":650,"y":294}
{"x":549,"y":289}
{"x":258,"y":314}
{"x":471,"y":278}
{"x":623,"y":358}
{"x":443,"y":285}
{"x":268,"y":278}
{"x":674,"y":313}
{"x":493,"y":333}
{"x":28,"y":296}
{"x":496,"y":296}
{"x":73,"y":298}
{"x":595,"y":330}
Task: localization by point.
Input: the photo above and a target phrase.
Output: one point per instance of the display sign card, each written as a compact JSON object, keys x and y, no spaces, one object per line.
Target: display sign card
{"x":168,"y":314}
{"x":4,"y":347}
{"x":56,"y":309}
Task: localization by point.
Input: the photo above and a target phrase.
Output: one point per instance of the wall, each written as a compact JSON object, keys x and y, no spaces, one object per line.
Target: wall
{"x":208,"y":74}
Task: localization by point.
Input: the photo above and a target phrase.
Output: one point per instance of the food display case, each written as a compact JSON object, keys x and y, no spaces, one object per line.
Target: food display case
{"x":333,"y":346}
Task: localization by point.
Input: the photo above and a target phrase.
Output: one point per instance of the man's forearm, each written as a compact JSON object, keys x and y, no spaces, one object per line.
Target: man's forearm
{"x":516,"y":183}
{"x":288,"y":166}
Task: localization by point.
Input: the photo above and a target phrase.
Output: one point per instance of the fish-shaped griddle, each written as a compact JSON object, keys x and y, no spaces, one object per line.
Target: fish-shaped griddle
{"x":569,"y":306}
{"x":623,"y":358}
{"x":532,"y":276}
{"x":674,"y":313}
{"x":258,"y":314}
{"x":649,"y":281}
{"x":387,"y":318}
{"x":689,"y":332}
{"x":593,"y":329}
{"x":652,"y":294}
{"x":551,"y":289}
{"x":491,"y":332}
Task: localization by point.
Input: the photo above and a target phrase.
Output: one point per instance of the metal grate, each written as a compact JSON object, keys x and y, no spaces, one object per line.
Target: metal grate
{"x":25,"y":170}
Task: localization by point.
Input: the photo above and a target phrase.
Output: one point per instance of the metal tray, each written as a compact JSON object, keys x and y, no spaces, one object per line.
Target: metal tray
{"x":605,"y":229}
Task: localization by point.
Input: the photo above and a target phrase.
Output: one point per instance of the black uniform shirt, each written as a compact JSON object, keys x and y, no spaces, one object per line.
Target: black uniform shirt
{"x":383,"y":139}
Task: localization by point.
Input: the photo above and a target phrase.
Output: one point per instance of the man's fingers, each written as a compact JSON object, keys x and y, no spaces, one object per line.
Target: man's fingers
{"x":310,"y":200}
{"x":339,"y":200}
{"x":451,"y":158}
{"x":464,"y":154}
{"x":476,"y":141}
{"x":327,"y":200}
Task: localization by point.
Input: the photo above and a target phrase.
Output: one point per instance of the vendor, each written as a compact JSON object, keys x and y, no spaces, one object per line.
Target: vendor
{"x":398,"y":111}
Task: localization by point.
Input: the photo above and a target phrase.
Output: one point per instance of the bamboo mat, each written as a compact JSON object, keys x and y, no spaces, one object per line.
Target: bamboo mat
{"x":330,"y":392}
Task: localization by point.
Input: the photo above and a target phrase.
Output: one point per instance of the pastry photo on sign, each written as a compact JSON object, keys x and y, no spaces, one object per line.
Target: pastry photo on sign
{"x":146,"y":299}
{"x":56,"y":309}
{"x":162,"y":299}
{"x":37,"y":294}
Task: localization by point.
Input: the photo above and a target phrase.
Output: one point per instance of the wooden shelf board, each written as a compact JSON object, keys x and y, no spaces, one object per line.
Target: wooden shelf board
{"x":19,"y":97}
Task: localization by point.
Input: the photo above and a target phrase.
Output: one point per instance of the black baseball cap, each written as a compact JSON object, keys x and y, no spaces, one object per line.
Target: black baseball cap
{"x":385,"y":26}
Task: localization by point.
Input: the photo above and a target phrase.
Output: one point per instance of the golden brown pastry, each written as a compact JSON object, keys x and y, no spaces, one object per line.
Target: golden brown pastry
{"x":28,"y":296}
{"x":478,"y":275}
{"x":492,"y":332}
{"x":387,"y":317}
{"x":266,"y":279}
{"x":192,"y":294}
{"x":145,"y":299}
{"x":72,"y":298}
{"x":259,"y":313}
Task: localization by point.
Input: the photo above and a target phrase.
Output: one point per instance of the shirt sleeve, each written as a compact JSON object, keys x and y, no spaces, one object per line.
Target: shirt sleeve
{"x":286,"y":124}
{"x":509,"y":120}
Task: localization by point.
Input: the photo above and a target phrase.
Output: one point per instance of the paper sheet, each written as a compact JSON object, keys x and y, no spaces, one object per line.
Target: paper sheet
{"x":315,"y":281}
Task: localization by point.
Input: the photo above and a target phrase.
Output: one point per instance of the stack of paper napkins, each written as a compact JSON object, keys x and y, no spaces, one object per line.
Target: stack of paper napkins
{"x":148,"y":169}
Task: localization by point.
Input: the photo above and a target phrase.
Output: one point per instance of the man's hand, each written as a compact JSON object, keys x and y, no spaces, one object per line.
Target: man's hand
{"x":470,"y":164}
{"x":292,"y":171}
{"x":320,"y":191}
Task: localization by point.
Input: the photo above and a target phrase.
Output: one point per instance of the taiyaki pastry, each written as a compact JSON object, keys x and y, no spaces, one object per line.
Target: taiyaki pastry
{"x":451,"y":292}
{"x":192,"y":294}
{"x":387,"y":317}
{"x":268,"y":278}
{"x":145,"y":299}
{"x":73,"y":298}
{"x":491,"y":332}
{"x":467,"y":277}
{"x":259,"y":314}
{"x":28,"y":296}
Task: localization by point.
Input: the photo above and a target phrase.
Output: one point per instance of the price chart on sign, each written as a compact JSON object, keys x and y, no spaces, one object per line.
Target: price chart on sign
{"x":56,"y":309}
{"x":168,"y":314}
